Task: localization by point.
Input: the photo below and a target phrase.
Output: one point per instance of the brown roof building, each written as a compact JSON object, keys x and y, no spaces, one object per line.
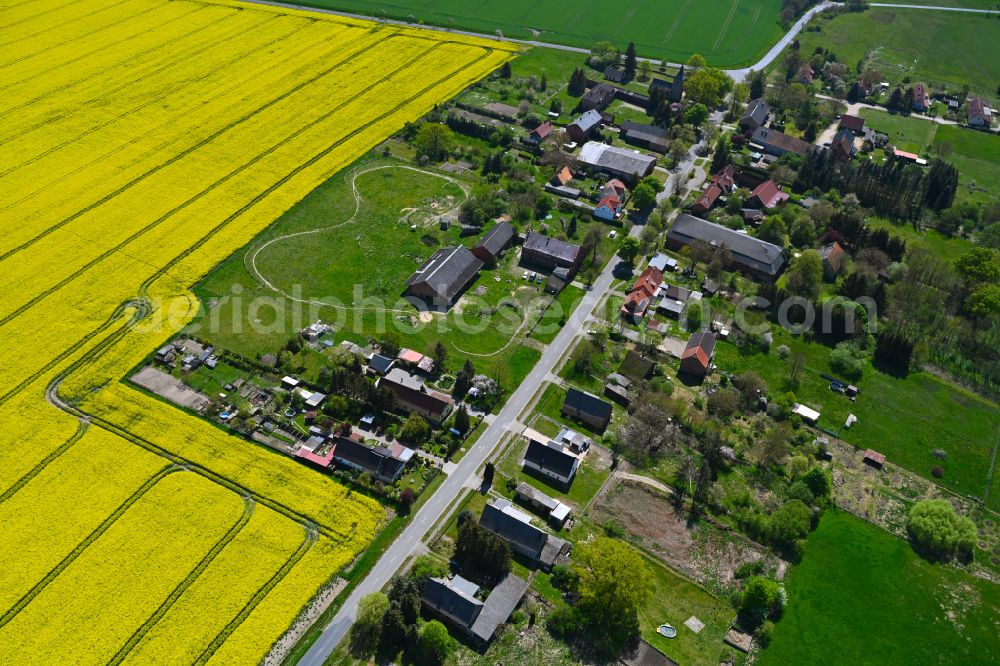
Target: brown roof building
{"x":696,"y":359}
{"x":547,"y":252}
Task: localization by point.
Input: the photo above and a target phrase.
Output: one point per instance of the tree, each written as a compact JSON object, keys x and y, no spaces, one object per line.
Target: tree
{"x":577,"y":82}
{"x":462,"y":419}
{"x":789,"y":525}
{"x":773,"y":230}
{"x":644,"y":196}
{"x":367,"y":629}
{"x":760,"y":600}
{"x":757,"y":84}
{"x":630,"y":61}
{"x":629,"y":248}
{"x":463,"y":380}
{"x":543,"y":82}
{"x":591,"y":241}
{"x":645,"y":70}
{"x":695,"y":316}
{"x":436,"y":644}
{"x":390,"y":343}
{"x":440,"y":356}
{"x":415,"y":429}
{"x":696,"y":60}
{"x":406,"y":500}
{"x":433,"y":141}
{"x":695,"y":114}
{"x":796,"y":363}
{"x":938,"y":532}
{"x":984,"y":302}
{"x":488,"y":473}
{"x":481,"y":552}
{"x":818,"y":481}
{"x":708,"y":86}
{"x":979,"y":265}
{"x":613,"y":583}
{"x":773,"y":446}
{"x":720,"y":157}
{"x":604,"y":54}
{"x":805,"y":276}
{"x":571,"y":229}
{"x":504,"y":71}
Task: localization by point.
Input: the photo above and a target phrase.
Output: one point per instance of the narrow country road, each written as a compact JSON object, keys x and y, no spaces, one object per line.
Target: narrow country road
{"x":890,"y":5}
{"x":464,"y":474}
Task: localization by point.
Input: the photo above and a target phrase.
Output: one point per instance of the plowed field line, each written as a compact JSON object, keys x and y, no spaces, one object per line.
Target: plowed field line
{"x":45,"y":462}
{"x":49,"y":11}
{"x":185,"y":84}
{"x":83,"y":545}
{"x":191,"y":200}
{"x":677,"y":21}
{"x":184,"y":153}
{"x":182,"y":587}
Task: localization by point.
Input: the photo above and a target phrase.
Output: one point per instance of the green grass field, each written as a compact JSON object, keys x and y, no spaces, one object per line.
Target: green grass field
{"x":948,"y":248}
{"x":936,"y":47}
{"x":588,"y":480}
{"x":906,"y":133}
{"x":362,"y":265}
{"x":861,"y":596}
{"x":904,"y":418}
{"x":726,"y":32}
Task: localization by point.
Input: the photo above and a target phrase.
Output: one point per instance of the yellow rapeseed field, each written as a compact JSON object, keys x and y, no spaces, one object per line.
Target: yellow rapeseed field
{"x":141,"y":142}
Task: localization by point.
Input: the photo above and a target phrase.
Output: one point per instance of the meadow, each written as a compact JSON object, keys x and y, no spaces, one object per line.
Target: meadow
{"x":727,"y":32}
{"x":906,"y":418}
{"x":144,"y":142}
{"x":866,"y":597}
{"x":936,"y":47}
{"x":347,"y":263}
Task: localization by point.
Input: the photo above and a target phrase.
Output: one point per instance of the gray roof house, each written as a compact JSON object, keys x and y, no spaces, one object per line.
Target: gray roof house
{"x":514,"y":526}
{"x":619,"y":162}
{"x":778,"y":143}
{"x":644,"y":136}
{"x":756,"y":257}
{"x":442,"y":277}
{"x":455,"y":601}
{"x":494,"y":242}
{"x":755,"y":115}
{"x":587,"y":408}
{"x":581,"y":128}
{"x":552,"y":461}
{"x":548,"y":252}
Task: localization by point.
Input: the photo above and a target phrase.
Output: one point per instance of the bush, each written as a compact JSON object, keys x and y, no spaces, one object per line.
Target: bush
{"x":723,"y":403}
{"x":937,"y":472}
{"x":846,"y":359}
{"x":937,"y":531}
{"x":563,"y":578}
{"x":819,"y":482}
{"x":760,"y":601}
{"x":763,"y":633}
{"x":800,"y":491}
{"x":789,"y":525}
{"x":565,"y":622}
{"x":436,"y":644}
{"x":748,"y":569}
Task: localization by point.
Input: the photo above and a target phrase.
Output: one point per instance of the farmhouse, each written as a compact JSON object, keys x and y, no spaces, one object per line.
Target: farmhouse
{"x":493,"y":243}
{"x":641,"y":294}
{"x":551,"y":460}
{"x":443,"y":277}
{"x":777,"y":143}
{"x":454,"y":600}
{"x":583,"y":127}
{"x":755,"y":115}
{"x":758,"y":258}
{"x":514,"y":526}
{"x":723,"y":182}
{"x":540,"y":134}
{"x":378,"y":461}
{"x":552,"y":509}
{"x":598,"y":98}
{"x":921,"y":100}
{"x":645,"y":136}
{"x":766,"y":195}
{"x":696,"y":359}
{"x":608,"y":208}
{"x":547,"y":252}
{"x":618,"y":162}
{"x":979,"y":113}
{"x":842,"y":145}
{"x":671,"y":86}
{"x":833,"y":256}
{"x":587,"y":408}
{"x":415,"y":397}
{"x":855,"y":124}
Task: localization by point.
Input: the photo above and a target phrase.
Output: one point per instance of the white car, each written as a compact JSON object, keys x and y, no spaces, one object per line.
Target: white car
{"x":525,"y":276}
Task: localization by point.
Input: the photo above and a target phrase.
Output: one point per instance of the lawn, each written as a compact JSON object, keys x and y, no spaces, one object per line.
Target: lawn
{"x":935,"y":47}
{"x":977,"y":156}
{"x":864,"y":596}
{"x":904,"y":418}
{"x":726,"y":32}
{"x":552,"y":318}
{"x":350,"y":271}
{"x":588,"y":480}
{"x":948,"y":248}
{"x":550,"y":405}
{"x":913,"y":135}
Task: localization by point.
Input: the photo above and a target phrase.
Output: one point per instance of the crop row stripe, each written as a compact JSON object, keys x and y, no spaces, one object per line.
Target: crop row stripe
{"x":223,"y":65}
{"x":83,"y":545}
{"x":37,"y":469}
{"x":105,"y":46}
{"x":264,"y":590}
{"x":103,"y":94}
{"x":222,"y":92}
{"x":35,"y":17}
{"x":204,"y":142}
{"x":182,"y":587}
{"x":210,"y":188}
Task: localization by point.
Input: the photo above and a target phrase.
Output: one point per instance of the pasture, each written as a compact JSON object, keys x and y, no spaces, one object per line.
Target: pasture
{"x":935,"y":47}
{"x":865,"y":596}
{"x":728,"y":33}
{"x":143,"y":142}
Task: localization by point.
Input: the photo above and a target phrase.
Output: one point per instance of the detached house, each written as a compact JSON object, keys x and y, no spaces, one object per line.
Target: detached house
{"x":540,"y":134}
{"x":766,"y":195}
{"x":696,"y":359}
{"x":921,"y":100}
{"x":548,"y":253}
{"x":444,"y":276}
{"x":583,"y":127}
{"x":979,"y":113}
{"x":414,"y":396}
{"x":755,"y":115}
{"x":551,"y":460}
{"x":833,"y":256}
{"x":587,"y":408}
{"x":514,"y":526}
{"x":642,"y":293}
{"x":454,"y":601}
{"x":723,"y":182}
{"x":493,"y":243}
